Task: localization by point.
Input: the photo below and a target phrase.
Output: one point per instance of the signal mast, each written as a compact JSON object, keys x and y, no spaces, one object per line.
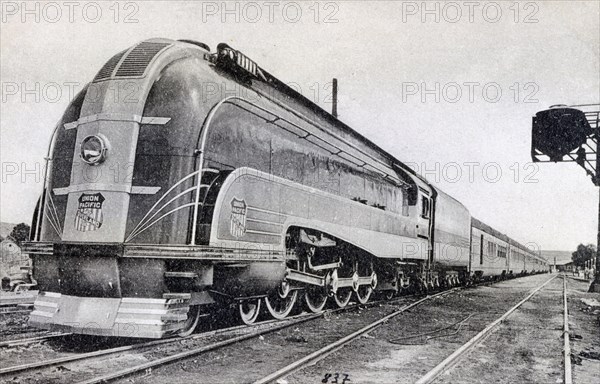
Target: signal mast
{"x":571,"y":134}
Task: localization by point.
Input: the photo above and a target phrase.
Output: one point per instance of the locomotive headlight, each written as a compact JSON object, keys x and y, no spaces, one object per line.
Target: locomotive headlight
{"x":93,"y":150}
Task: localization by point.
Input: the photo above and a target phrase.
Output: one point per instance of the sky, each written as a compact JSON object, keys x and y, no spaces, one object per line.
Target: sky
{"x":449,"y":88}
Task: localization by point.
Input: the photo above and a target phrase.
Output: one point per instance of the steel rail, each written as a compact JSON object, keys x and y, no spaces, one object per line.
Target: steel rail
{"x":15,"y":311}
{"x":330,"y":348}
{"x":103,"y":352}
{"x":568,"y":379}
{"x":195,"y":351}
{"x":453,"y":358}
{"x":30,"y":340}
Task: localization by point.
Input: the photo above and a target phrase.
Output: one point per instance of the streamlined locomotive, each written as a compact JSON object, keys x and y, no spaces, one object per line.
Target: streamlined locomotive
{"x":180,"y":179}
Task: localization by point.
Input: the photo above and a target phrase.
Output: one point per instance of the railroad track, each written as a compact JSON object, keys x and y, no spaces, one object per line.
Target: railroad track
{"x":253,"y":332}
{"x":276,"y":327}
{"x":568,"y":376}
{"x":10,"y":311}
{"x":340,"y":343}
{"x":137,"y":346}
{"x":30,"y":340}
{"x":22,"y":331}
{"x":455,"y":357}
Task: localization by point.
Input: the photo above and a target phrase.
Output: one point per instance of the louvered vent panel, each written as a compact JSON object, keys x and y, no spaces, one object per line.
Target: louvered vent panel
{"x":138,"y":59}
{"x":109,"y":67}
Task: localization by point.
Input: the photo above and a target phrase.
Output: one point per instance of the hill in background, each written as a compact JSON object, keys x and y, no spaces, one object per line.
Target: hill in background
{"x":6,"y":229}
{"x":561,"y":256}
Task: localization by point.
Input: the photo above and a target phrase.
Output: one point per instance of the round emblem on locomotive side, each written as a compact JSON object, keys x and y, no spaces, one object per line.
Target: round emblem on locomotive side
{"x":93,"y":150}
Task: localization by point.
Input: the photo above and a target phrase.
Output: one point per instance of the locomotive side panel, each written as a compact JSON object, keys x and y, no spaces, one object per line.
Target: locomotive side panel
{"x":245,"y":215}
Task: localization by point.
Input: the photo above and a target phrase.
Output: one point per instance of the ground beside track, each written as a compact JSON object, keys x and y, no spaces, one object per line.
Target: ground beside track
{"x":584,"y":324}
{"x":14,"y":326}
{"x":526,"y":348}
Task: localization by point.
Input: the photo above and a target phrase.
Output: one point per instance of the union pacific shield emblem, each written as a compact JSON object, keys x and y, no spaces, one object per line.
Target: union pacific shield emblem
{"x":238,"y":218}
{"x":89,"y":212}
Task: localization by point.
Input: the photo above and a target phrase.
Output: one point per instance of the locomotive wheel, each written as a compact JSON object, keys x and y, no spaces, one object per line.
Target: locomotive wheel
{"x":363,"y":293}
{"x":342,"y":297}
{"x":193,"y":317}
{"x":280,"y":306}
{"x":315,"y":299}
{"x":249,"y":310}
{"x":389,"y":294}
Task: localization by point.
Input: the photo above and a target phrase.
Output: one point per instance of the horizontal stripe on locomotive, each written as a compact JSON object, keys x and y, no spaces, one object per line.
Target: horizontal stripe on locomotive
{"x":264,"y":222}
{"x":239,"y":253}
{"x":222,"y":253}
{"x":260,"y":214}
{"x":108,"y":116}
{"x":97,"y":187}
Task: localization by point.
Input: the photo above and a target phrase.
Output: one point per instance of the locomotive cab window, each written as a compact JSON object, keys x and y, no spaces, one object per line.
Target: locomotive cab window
{"x":425,"y":207}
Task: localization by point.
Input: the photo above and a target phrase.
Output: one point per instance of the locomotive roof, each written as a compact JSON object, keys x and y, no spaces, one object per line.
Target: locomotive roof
{"x":248,"y":72}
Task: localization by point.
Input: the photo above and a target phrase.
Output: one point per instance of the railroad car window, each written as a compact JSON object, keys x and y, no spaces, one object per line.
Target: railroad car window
{"x":502,"y":252}
{"x":492,"y":250}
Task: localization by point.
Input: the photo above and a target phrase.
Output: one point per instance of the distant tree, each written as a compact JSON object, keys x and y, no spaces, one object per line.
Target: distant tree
{"x":20,"y":233}
{"x":583,"y":254}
